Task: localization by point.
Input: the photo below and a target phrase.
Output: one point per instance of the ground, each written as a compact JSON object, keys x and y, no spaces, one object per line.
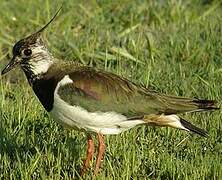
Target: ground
{"x":174,"y":47}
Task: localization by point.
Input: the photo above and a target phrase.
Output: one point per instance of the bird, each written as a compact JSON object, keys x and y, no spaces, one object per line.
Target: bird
{"x":95,"y":101}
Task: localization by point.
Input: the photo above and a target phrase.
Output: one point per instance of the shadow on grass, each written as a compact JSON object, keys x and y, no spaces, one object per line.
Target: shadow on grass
{"x":21,"y":148}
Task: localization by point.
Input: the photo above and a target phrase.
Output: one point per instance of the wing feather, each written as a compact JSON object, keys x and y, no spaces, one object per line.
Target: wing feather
{"x":102,"y":91}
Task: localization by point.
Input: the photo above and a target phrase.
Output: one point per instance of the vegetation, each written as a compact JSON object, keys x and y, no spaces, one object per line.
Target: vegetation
{"x":174,"y":47}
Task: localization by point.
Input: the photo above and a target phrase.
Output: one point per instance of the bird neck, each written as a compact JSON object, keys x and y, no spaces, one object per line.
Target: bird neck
{"x":35,"y":69}
{"x":50,"y":68}
{"x":44,"y":84}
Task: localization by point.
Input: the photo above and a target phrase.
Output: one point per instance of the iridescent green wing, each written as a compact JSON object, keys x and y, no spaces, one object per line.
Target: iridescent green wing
{"x":102,"y":91}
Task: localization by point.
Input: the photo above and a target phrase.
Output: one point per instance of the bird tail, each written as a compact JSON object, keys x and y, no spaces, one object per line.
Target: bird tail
{"x":175,"y":122}
{"x":176,"y":105}
{"x":205,"y":104}
{"x":192,"y":128}
{"x":181,"y":105}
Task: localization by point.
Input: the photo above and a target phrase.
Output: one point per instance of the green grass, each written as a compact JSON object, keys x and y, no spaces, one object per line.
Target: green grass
{"x":174,"y":47}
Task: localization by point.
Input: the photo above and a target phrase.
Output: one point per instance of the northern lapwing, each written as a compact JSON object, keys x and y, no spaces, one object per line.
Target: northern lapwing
{"x":95,"y":101}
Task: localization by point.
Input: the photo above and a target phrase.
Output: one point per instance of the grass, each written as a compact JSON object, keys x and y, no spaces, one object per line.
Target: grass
{"x":174,"y":47}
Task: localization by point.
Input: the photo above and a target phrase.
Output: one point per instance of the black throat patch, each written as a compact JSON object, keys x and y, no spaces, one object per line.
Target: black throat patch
{"x":44,"y":90}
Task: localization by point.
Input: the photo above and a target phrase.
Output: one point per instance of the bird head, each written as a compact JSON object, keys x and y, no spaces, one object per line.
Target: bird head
{"x":31,"y":53}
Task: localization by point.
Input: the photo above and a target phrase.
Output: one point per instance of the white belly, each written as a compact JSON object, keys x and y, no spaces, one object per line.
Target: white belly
{"x":77,"y":117}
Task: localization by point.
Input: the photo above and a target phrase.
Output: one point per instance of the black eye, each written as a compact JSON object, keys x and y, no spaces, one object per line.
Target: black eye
{"x":27,"y":52}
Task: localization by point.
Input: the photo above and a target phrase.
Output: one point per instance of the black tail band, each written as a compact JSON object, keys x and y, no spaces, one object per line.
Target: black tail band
{"x":193,"y":128}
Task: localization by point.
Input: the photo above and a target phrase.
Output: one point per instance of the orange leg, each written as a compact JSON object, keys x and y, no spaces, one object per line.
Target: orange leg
{"x":101,"y":150}
{"x":89,"y":155}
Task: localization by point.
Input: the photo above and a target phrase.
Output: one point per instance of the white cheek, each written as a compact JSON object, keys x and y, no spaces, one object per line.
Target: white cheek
{"x":41,"y":60}
{"x":39,"y":67}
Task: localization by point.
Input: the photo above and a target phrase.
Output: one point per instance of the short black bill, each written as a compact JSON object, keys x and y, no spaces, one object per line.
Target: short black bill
{"x":13,"y":63}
